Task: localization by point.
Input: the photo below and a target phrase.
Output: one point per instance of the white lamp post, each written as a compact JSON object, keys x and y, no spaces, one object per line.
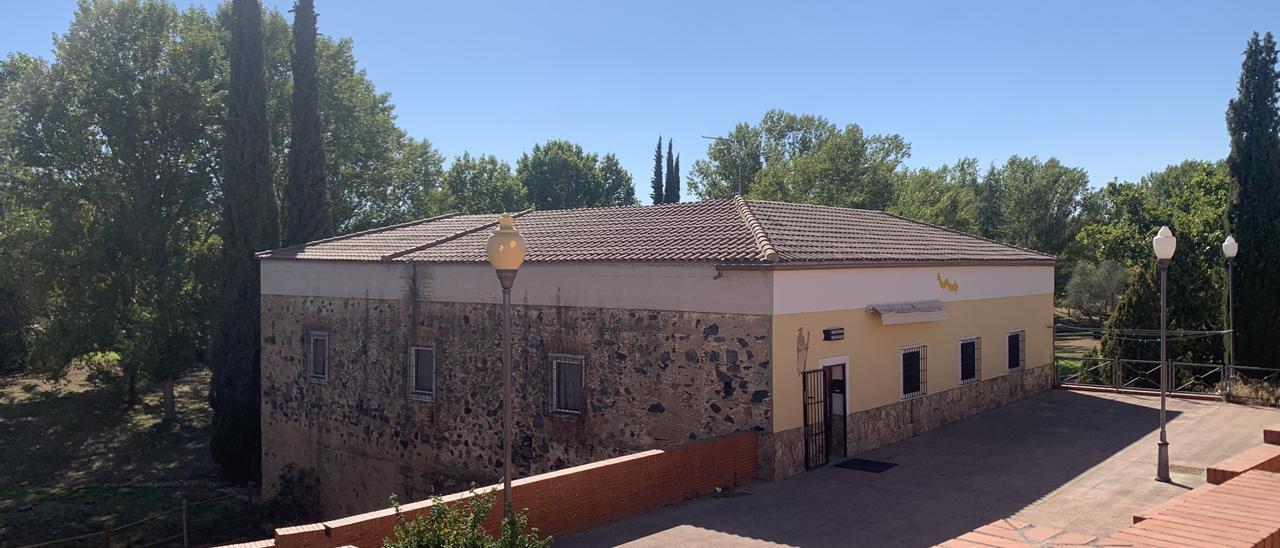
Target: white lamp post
{"x":1164,"y":244}
{"x":506,"y":249}
{"x":1229,"y":248}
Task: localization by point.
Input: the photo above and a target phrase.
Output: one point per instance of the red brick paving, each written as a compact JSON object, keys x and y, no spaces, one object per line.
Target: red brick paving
{"x":1261,"y":457}
{"x":1239,"y":507}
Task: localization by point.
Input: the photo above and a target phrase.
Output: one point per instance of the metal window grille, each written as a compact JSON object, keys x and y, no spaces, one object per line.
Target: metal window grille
{"x":567,"y":380}
{"x":318,"y":356}
{"x":913,"y":371}
{"x":1017,"y":349}
{"x":970,"y":359}
{"x":422,"y":372}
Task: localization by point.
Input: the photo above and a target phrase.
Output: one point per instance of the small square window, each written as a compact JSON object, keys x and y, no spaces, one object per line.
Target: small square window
{"x":1017,"y":349}
{"x":567,"y":380}
{"x":970,"y":359}
{"x":913,"y":372}
{"x":422,"y":373}
{"x":318,"y":356}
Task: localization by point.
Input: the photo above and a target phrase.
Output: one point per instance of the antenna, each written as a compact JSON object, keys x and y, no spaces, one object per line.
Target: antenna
{"x":741,"y":155}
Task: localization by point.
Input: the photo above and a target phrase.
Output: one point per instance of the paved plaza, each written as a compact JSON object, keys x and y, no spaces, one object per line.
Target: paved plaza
{"x":1083,"y":462}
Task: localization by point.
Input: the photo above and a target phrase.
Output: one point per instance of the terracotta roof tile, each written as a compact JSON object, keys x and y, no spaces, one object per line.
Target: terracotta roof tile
{"x":804,"y":233}
{"x":721,"y":231}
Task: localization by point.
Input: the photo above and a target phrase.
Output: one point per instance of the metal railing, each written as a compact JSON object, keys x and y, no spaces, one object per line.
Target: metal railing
{"x":1234,"y":383}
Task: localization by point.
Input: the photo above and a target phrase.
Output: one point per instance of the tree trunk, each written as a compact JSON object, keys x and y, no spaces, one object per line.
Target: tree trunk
{"x":170,"y":411}
{"x":131,"y":386}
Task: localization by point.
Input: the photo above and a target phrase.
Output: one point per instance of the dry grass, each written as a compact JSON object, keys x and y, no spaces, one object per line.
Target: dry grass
{"x":75,"y":459}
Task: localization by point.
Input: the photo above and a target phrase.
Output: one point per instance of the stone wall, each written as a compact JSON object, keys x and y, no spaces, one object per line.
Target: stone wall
{"x":653,"y":379}
{"x":782,"y":454}
{"x":881,"y":426}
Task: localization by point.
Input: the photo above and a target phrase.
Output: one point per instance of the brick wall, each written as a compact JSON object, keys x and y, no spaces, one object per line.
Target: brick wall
{"x":575,"y":498}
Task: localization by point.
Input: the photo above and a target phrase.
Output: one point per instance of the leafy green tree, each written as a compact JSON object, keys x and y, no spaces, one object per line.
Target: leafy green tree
{"x":559,"y":175}
{"x":110,"y":157}
{"x":375,"y":174}
{"x":22,"y":80}
{"x":615,"y":182}
{"x":1191,"y":199}
{"x":366,"y":152}
{"x":731,"y":164}
{"x":802,"y":158}
{"x":1094,"y":288}
{"x":1039,"y":203}
{"x":306,"y":206}
{"x":943,"y":196}
{"x":845,"y":169}
{"x":1253,"y":121}
{"x":483,"y":184}
{"x":249,"y":223}
{"x":656,"y":183}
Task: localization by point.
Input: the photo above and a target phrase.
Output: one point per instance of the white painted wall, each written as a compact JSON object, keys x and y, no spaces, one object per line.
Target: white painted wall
{"x":818,"y":290}
{"x":347,"y":279}
{"x":690,"y":287}
{"x":693,"y":287}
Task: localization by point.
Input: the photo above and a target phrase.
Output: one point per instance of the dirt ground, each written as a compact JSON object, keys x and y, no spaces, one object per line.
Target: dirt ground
{"x":76,"y":461}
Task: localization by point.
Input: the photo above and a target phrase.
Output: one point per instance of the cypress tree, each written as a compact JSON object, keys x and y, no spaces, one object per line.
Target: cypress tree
{"x":990,"y":218}
{"x":656,"y":181}
{"x":671,"y":168}
{"x":249,"y":223}
{"x":1253,"y":122}
{"x":672,"y":192}
{"x":306,"y":207}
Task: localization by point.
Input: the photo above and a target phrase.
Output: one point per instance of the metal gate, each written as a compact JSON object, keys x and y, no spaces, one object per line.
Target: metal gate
{"x":817,"y":415}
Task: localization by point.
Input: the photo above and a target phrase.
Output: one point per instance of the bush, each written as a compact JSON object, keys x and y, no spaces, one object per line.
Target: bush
{"x":459,"y":526}
{"x":297,"y":497}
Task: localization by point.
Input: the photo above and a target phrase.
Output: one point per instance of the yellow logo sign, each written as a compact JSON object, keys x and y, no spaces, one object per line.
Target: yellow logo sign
{"x":946,"y":284}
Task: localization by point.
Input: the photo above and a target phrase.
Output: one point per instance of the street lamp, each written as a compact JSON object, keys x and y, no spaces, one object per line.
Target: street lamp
{"x":1164,"y":245}
{"x":506,"y":249}
{"x":1229,"y":248}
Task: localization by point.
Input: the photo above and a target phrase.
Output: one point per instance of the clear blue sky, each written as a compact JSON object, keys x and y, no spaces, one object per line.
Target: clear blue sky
{"x":1118,"y":88}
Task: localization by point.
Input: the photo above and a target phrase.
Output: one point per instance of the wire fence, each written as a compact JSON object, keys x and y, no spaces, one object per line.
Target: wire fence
{"x":178,"y":526}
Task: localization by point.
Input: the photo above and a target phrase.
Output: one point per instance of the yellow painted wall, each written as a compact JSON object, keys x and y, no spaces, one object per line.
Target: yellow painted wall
{"x":873,"y":373}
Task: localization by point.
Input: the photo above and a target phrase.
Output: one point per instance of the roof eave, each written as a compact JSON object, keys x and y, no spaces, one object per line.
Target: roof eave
{"x":811,"y":265}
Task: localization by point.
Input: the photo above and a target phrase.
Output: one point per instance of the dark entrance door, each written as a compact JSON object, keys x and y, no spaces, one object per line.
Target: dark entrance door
{"x":817,"y":417}
{"x":835,"y":411}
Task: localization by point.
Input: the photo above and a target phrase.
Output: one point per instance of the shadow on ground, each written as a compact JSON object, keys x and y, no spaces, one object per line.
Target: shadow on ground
{"x":76,"y":458}
{"x":947,"y":482}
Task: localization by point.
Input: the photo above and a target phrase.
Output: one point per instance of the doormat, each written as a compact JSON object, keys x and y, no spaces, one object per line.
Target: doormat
{"x":866,"y":465}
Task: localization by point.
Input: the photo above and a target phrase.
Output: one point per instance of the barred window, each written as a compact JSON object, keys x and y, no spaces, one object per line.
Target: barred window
{"x":1017,"y":349}
{"x":422,"y":373}
{"x":913,"y":371}
{"x":970,"y":359}
{"x":567,"y":380}
{"x":318,"y":355}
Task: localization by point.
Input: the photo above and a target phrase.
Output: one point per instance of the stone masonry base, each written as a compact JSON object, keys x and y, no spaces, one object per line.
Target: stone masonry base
{"x":875,"y":428}
{"x":782,"y":453}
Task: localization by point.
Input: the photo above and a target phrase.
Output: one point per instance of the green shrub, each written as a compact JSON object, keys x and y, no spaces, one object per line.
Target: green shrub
{"x":459,"y":526}
{"x":297,"y":497}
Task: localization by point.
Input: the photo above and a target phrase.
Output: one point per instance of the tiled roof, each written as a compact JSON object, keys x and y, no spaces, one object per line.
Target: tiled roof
{"x":722,"y":231}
